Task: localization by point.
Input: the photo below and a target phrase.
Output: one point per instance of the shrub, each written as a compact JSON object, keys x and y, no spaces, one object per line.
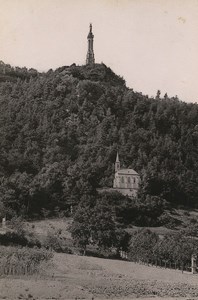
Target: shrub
{"x":56,"y":242}
{"x":13,"y":238}
{"x":19,"y":235}
{"x":142,"y":245}
{"x":193,"y":220}
{"x":15,"y":260}
{"x":186,"y":213}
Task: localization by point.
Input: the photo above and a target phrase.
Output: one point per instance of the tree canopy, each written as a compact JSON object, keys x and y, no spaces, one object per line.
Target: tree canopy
{"x":60,"y":131}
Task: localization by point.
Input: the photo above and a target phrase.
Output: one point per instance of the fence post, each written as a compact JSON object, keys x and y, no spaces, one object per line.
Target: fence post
{"x":182,"y":267}
{"x":193,"y":263}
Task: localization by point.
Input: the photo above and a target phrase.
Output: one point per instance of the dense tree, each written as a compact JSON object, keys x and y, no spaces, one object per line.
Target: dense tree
{"x":60,"y":131}
{"x":143,"y":243}
{"x":80,"y":229}
{"x":176,"y":249}
{"x":93,"y":223}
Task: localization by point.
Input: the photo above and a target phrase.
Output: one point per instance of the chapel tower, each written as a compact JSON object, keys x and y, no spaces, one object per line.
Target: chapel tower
{"x":90,"y":60}
{"x":117,"y":163}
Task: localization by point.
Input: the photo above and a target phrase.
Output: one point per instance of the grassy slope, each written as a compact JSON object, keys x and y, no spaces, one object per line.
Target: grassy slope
{"x":183,"y":216}
{"x":41,"y":228}
{"x":73,"y":276}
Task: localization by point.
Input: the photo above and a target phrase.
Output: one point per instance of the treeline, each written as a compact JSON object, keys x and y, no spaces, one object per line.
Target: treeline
{"x":99,"y":227}
{"x":100,"y":220}
{"x":9,"y":73}
{"x":171,"y":251}
{"x":60,"y":131}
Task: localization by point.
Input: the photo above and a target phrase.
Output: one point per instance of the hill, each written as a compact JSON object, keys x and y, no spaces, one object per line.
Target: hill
{"x":71,"y":277}
{"x":60,"y":130}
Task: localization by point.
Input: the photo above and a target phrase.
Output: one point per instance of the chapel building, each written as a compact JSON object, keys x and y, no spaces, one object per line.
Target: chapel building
{"x":126,"y":181}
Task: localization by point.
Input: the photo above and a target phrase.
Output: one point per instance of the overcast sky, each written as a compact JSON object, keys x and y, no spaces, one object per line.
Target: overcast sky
{"x":153,"y":44}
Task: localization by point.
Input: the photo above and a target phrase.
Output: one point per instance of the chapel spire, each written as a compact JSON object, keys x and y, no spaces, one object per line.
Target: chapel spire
{"x":117,"y":163}
{"x":90,"y":60}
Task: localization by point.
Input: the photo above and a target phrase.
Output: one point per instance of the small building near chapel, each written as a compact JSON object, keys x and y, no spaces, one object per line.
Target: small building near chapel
{"x":126,"y":181}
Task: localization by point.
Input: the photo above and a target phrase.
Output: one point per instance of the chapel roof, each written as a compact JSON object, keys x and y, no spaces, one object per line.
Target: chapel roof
{"x":127,"y":172}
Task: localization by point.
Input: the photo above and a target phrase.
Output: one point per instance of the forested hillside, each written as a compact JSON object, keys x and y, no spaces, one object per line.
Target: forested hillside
{"x":60,"y":131}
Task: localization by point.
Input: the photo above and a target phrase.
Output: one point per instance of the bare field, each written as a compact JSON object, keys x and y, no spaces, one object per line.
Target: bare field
{"x":72,"y":276}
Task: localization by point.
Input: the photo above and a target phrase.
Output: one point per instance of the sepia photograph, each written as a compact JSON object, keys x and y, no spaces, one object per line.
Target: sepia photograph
{"x":98,"y":149}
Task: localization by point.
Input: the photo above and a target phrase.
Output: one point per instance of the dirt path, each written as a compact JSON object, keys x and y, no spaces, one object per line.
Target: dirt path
{"x":80,"y":277}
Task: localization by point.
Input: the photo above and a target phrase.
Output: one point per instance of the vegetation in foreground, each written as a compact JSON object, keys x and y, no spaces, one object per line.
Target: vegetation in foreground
{"x":22,"y":260}
{"x":73,"y":276}
{"x":94,"y":232}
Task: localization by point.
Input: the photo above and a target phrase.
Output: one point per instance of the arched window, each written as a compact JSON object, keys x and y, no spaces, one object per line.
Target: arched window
{"x":129,"y":180}
{"x":122,"y":179}
{"x":134,"y":180}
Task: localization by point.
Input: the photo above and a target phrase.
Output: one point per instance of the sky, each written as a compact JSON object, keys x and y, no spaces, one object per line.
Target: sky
{"x":152,"y":44}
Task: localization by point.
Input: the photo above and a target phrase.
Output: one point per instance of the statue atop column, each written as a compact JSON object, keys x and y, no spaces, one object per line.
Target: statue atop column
{"x":90,"y":60}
